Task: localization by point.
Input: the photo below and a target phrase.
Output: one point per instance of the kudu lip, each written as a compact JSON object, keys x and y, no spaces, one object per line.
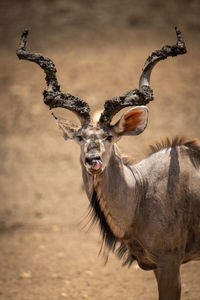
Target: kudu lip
{"x":94,"y":165}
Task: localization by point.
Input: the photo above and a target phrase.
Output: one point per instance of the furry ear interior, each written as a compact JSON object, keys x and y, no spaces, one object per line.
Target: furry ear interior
{"x":133,"y":122}
{"x":67,"y":128}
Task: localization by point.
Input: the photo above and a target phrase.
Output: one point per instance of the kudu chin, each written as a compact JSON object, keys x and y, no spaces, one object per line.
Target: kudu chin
{"x":147,"y":211}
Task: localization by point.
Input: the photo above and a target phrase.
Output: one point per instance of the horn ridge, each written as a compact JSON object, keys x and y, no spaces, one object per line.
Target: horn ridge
{"x":53,"y":97}
{"x":144,"y":94}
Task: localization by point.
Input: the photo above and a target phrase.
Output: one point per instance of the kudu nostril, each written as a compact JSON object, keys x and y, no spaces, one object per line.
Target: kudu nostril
{"x":90,"y":160}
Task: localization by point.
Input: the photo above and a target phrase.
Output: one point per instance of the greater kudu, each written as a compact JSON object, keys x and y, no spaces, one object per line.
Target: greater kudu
{"x":148,"y":211}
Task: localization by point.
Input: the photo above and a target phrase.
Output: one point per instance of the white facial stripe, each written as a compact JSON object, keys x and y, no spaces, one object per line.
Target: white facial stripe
{"x":86,"y":145}
{"x":102,"y":147}
{"x":97,"y":141}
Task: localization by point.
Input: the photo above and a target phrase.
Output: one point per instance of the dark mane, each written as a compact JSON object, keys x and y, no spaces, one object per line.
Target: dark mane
{"x":108,"y":238}
{"x":192,"y":148}
{"x":193,"y":151}
{"x":168,"y":143}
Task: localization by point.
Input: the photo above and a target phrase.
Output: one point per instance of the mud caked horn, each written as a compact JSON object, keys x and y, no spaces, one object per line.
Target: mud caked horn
{"x":53,"y":97}
{"x":144,"y":94}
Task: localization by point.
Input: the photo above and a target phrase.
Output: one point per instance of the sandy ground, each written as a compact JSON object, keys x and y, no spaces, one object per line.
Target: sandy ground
{"x":99,"y":48}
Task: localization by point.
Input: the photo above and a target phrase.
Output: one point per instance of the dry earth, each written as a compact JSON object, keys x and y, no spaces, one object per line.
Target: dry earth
{"x":99,"y":48}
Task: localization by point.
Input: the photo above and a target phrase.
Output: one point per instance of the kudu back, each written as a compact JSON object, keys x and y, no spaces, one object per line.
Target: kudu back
{"x":148,"y":211}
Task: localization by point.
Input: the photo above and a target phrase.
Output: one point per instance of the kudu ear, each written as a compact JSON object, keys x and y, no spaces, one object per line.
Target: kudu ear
{"x":67,"y":129}
{"x":133,"y":122}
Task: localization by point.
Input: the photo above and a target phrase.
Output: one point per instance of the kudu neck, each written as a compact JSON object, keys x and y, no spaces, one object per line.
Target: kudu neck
{"x":115,"y":189}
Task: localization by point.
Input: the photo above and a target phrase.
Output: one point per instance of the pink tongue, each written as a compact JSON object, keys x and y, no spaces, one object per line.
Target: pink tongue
{"x":96,"y":164}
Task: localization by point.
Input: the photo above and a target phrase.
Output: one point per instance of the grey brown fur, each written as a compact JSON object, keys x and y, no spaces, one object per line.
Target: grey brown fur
{"x":148,"y":211}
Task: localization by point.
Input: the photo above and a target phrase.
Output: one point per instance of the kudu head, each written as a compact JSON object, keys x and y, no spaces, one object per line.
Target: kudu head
{"x":96,"y":139}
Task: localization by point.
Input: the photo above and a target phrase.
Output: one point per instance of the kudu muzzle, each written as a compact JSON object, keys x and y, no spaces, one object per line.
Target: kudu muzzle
{"x":93,"y":156}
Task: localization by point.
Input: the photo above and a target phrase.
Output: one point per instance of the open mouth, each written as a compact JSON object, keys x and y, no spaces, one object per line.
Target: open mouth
{"x":94,"y":165}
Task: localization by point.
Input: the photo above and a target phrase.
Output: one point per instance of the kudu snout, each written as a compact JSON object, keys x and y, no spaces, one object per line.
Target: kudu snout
{"x":93,"y":156}
{"x":93,"y":164}
{"x":89,"y":160}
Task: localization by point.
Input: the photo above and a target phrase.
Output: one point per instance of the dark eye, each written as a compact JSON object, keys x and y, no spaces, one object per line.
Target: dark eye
{"x":79,"y":138}
{"x":109,"y":138}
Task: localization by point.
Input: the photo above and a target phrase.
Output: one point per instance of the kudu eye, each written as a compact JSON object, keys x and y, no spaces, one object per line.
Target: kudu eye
{"x":109,"y":138}
{"x":79,"y":138}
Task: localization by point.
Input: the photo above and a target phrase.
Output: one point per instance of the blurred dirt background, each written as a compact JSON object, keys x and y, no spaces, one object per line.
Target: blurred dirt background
{"x":99,"y":48}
